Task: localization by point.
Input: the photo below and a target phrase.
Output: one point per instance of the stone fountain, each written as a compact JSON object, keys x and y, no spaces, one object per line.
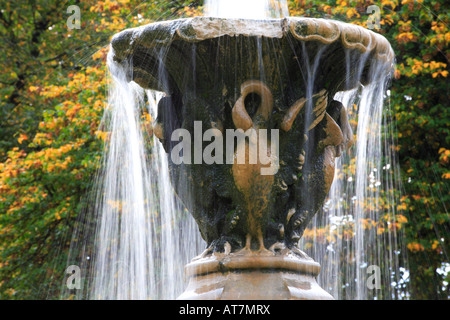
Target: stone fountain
{"x":242,"y":75}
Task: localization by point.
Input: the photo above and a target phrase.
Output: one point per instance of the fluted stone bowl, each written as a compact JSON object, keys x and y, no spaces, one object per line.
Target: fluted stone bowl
{"x":219,"y":45}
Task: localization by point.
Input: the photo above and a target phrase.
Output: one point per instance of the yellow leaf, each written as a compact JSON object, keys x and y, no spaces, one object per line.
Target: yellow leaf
{"x":22,"y":137}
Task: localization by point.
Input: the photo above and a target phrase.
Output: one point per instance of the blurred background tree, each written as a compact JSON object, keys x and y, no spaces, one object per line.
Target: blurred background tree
{"x":53,"y":92}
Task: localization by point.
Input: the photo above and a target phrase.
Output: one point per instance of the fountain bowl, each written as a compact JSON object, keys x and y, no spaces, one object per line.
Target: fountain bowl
{"x":208,"y":67}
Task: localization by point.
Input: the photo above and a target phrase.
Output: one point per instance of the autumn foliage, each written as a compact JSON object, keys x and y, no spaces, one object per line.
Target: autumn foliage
{"x":53,"y":88}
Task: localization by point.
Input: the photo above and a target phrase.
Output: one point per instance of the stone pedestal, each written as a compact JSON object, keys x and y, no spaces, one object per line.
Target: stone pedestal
{"x":253,"y":277}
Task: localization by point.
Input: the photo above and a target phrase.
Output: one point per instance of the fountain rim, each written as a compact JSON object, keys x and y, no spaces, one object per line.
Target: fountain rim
{"x":235,"y":263}
{"x":232,"y":276}
{"x":196,"y":29}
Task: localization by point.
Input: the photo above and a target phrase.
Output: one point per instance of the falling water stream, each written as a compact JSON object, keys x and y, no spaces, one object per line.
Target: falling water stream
{"x":347,"y":244}
{"x":248,"y":9}
{"x":144,"y":236}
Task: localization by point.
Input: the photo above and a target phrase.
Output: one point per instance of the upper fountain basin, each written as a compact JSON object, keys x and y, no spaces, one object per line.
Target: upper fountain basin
{"x":165,"y":54}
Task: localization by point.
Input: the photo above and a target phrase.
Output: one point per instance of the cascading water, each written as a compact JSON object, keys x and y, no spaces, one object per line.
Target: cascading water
{"x":349,"y":237}
{"x":179,"y":240}
{"x":249,"y":9}
{"x":144,"y":237}
{"x":124,"y":251}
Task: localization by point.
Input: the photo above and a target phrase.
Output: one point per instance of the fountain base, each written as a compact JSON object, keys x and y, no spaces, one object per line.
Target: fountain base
{"x":253,"y":277}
